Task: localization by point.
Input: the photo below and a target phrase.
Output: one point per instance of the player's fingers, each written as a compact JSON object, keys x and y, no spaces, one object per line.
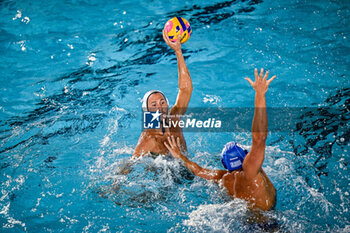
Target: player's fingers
{"x":167,"y":146}
{"x":261,"y":73}
{"x":256,"y":73}
{"x":178,"y":142}
{"x":164,"y":35}
{"x":266,"y":75}
{"x":170,"y":142}
{"x":271,"y":79}
{"x":250,"y":81}
{"x":173,"y":140}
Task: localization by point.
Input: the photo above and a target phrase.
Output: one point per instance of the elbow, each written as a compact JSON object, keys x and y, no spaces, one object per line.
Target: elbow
{"x":187,"y":88}
{"x":259,"y":138}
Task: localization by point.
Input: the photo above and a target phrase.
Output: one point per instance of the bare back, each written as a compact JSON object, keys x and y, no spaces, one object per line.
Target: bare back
{"x":258,"y":192}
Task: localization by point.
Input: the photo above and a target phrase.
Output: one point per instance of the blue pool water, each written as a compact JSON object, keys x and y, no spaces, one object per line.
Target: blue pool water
{"x":72,"y":76}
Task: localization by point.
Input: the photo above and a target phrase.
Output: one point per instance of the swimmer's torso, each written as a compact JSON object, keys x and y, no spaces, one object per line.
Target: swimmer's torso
{"x":259,"y":192}
{"x":152,"y":141}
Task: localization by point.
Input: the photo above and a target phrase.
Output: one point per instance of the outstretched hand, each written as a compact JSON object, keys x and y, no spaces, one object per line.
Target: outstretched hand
{"x":261,"y":83}
{"x":176,"y":46}
{"x":174,"y":147}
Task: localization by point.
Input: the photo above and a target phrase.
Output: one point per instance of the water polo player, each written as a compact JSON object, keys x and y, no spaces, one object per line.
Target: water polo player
{"x":152,"y":141}
{"x":244,"y":177}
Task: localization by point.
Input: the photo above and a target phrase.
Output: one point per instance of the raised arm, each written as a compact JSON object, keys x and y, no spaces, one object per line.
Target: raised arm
{"x":174,"y":148}
{"x":255,"y":158}
{"x":185,"y":82}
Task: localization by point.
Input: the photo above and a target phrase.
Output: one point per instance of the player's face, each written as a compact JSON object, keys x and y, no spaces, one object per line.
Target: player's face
{"x":156,"y":102}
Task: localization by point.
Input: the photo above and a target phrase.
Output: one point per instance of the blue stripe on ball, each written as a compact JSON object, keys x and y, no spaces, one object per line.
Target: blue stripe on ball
{"x":182,"y":23}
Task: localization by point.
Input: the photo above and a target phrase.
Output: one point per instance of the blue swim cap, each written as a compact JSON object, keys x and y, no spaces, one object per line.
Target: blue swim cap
{"x":233,"y":156}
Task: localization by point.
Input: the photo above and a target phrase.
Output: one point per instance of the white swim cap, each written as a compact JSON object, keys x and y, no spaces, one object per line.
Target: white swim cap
{"x":147,"y":95}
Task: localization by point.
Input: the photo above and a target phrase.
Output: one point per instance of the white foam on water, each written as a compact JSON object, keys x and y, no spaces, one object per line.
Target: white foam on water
{"x":108,"y":145}
{"x":25,"y":20}
{"x":14,"y":184}
{"x":5,"y":209}
{"x":124,"y":150}
{"x":319,"y":198}
{"x":216,"y":217}
{"x":212,"y":99}
{"x":11,"y":222}
{"x":18,"y":15}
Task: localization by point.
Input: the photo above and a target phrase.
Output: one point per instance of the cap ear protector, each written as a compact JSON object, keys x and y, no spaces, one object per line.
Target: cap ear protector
{"x":147,"y":95}
{"x":233,"y":156}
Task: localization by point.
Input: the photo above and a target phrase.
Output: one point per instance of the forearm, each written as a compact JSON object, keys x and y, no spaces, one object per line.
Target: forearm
{"x":255,"y":158}
{"x":185,"y":82}
{"x":194,"y":167}
{"x":207,"y":174}
{"x":259,"y":126}
{"x":174,"y":148}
